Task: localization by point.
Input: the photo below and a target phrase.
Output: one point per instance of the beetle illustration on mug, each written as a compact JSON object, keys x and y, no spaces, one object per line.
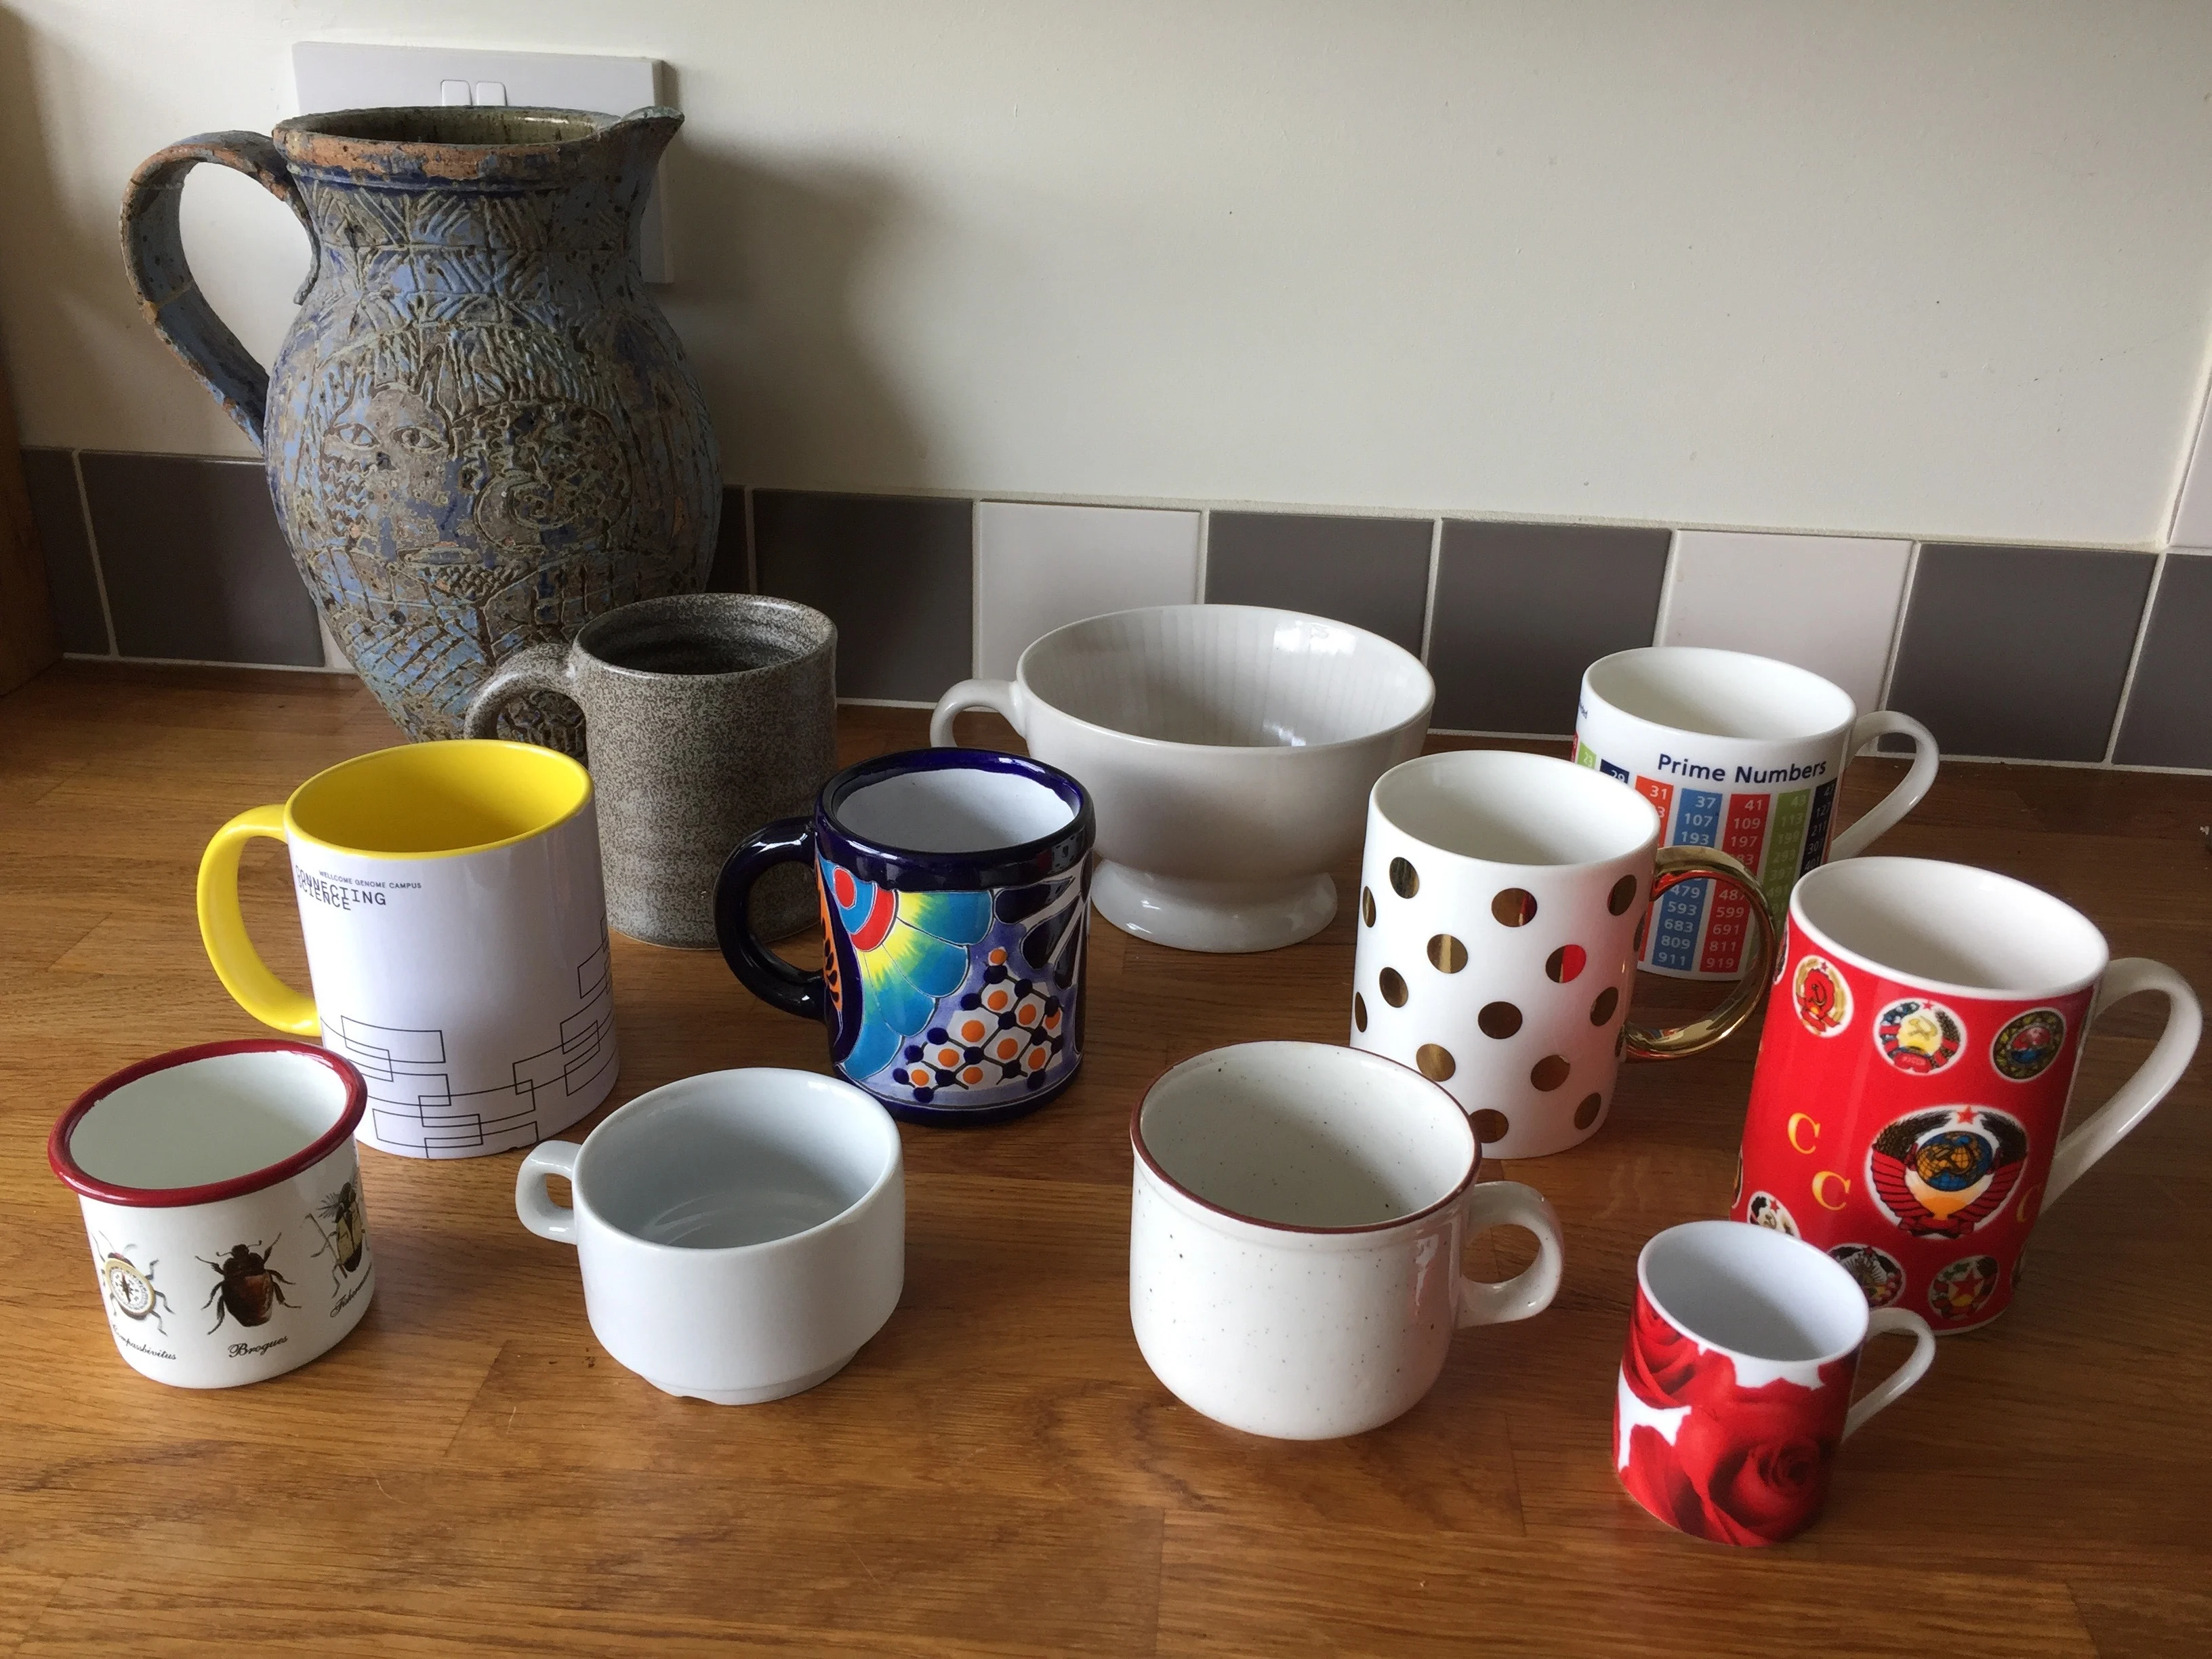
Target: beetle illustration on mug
{"x":339,"y":1220}
{"x":246,"y":1287}
{"x":131,"y":1289}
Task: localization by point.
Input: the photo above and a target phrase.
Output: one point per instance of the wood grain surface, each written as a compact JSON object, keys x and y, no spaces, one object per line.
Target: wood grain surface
{"x":997,"y":1473}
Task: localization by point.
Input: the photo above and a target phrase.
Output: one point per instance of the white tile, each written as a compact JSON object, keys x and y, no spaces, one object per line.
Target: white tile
{"x":1039,"y":567}
{"x":2193,"y":513}
{"x":1825,"y":603}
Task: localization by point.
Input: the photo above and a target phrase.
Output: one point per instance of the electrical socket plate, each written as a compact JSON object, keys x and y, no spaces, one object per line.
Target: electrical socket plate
{"x":332,"y":75}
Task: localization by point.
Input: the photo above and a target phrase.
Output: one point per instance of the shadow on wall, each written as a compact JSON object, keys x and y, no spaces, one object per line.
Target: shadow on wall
{"x":56,"y":323}
{"x":768,"y":263}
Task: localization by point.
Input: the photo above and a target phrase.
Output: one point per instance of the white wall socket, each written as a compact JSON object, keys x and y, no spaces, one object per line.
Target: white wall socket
{"x":340,"y":74}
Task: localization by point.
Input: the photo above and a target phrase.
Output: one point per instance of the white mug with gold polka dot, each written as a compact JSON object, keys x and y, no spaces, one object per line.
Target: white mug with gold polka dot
{"x":1502,"y":905}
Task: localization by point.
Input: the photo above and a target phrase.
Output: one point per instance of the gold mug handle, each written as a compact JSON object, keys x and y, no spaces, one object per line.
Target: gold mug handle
{"x":1679,"y":864}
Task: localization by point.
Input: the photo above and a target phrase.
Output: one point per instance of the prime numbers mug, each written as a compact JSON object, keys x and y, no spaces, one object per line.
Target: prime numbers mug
{"x":1740,"y":753}
{"x":1914,"y":1074}
{"x":456,"y":939}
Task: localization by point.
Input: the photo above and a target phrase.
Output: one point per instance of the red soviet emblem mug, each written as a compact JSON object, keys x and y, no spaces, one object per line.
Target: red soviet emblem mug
{"x":1735,"y":1383}
{"x":1920,"y":1043}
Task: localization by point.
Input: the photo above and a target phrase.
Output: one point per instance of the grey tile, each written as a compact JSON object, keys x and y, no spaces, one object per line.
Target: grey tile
{"x":2169,"y":718}
{"x":2019,"y":652}
{"x":896,"y":573}
{"x":195,"y":564}
{"x":1371,"y":573}
{"x":58,"y":515}
{"x":1522,"y":608}
{"x":729,"y":574}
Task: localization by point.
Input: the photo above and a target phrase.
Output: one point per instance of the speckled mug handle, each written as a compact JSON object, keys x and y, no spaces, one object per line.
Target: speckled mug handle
{"x":1509,"y":1204}
{"x":543,"y":667}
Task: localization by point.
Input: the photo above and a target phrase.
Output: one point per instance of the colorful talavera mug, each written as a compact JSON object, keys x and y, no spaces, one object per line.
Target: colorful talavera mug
{"x":1914,"y":1072}
{"x":955,"y":886}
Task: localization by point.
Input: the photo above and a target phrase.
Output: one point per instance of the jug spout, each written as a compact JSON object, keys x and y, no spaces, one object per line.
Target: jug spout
{"x":646,"y":133}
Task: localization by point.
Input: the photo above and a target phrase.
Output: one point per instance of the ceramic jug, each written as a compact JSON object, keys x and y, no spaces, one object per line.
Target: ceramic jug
{"x":480,"y":430}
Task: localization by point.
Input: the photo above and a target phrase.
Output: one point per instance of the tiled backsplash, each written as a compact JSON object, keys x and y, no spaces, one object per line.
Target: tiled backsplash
{"x":2014,"y":653}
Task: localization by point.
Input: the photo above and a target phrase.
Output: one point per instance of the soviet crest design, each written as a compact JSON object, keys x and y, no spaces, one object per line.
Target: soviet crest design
{"x":1822,"y":996}
{"x":2027,"y":1044}
{"x":1878,"y":1273}
{"x":1960,"y":1290}
{"x":1919,"y":1036}
{"x":1941,"y":1174}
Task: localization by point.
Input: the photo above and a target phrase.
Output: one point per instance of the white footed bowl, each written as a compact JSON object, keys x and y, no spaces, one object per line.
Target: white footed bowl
{"x":1228,"y":751}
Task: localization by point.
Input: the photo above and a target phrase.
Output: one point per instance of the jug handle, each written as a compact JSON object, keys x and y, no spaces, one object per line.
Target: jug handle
{"x":154,"y":253}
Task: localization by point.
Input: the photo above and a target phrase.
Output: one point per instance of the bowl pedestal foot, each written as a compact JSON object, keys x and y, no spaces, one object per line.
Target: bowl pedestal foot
{"x":1219,"y":916}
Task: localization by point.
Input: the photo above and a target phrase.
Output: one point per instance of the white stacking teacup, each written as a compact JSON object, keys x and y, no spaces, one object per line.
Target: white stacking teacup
{"x":741,"y":1233}
{"x":1294,"y":1245}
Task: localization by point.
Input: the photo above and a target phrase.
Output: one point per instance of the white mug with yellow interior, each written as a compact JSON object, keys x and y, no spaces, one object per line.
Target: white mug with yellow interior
{"x":455,"y":931}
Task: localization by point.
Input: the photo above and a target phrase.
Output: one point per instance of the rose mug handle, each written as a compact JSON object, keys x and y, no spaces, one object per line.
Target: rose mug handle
{"x":1000,"y":696}
{"x":1882,"y":1322}
{"x":540,"y":1212}
{"x":1915,"y":783}
{"x":1509,"y":1204}
{"x":2131,"y":1103}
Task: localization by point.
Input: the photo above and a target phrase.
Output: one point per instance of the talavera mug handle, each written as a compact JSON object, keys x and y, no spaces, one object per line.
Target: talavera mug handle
{"x":1915,"y":783}
{"x":154,"y":255}
{"x":543,"y":667}
{"x":995,"y":695}
{"x":1509,"y":1204}
{"x":2131,"y":1103}
{"x":759,"y":969}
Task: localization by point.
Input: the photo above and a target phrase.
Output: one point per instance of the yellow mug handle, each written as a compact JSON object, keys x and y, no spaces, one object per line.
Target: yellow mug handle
{"x":222,"y":929}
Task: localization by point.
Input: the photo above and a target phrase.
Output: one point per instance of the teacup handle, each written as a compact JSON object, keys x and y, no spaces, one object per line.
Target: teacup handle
{"x":759,"y":969}
{"x":1882,"y":1321}
{"x":995,"y":695}
{"x":542,"y":668}
{"x":1917,"y":781}
{"x":538,"y":1211}
{"x":1509,"y":1204}
{"x":2131,"y":1103}
{"x":1681,"y":863}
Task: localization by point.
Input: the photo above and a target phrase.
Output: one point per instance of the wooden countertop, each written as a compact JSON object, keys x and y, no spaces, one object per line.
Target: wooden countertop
{"x":998,"y":1472}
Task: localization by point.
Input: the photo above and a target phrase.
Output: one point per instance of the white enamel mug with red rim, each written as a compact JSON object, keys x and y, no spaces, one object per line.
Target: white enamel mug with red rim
{"x":221,"y":1195}
{"x":1294,"y":1236}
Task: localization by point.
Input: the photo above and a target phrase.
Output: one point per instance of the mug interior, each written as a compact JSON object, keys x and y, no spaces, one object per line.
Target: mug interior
{"x":1721,"y":694}
{"x":1950,"y":926}
{"x":1227,"y":676}
{"x":1307,"y":1137}
{"x":942,"y":804}
{"x":1753,"y":1291}
{"x":1510,"y":808}
{"x":430,"y":798}
{"x":705,"y":634}
{"x":215,"y":1118}
{"x":736,"y":1158}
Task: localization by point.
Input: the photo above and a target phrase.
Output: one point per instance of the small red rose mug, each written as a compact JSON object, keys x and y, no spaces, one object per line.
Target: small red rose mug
{"x":1919,"y":1051}
{"x":1735,"y":1383}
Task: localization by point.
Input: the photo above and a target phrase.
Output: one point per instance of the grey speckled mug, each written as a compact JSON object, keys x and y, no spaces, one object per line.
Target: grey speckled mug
{"x":707,"y":715}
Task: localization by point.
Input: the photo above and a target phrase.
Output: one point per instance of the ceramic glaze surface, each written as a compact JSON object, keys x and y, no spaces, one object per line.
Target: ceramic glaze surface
{"x":1740,"y":753}
{"x":1915,"y":1070}
{"x":1228,"y":748}
{"x":480,"y":430}
{"x":741,"y":1234}
{"x":228,"y":1231}
{"x":707,"y":714}
{"x":1326,"y":1307}
{"x":1735,"y":1383}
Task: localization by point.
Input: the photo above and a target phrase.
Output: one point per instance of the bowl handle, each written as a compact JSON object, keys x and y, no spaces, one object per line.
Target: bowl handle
{"x":997,"y":694}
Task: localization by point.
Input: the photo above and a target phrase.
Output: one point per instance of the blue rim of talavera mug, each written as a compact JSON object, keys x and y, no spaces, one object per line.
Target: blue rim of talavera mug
{"x":916,"y":871}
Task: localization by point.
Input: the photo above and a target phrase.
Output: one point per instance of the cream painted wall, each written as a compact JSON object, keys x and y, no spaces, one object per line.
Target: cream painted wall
{"x":1936,"y":270}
